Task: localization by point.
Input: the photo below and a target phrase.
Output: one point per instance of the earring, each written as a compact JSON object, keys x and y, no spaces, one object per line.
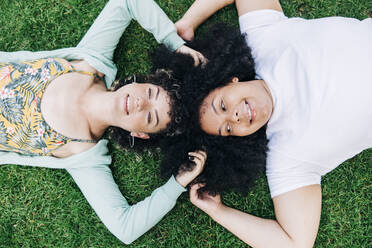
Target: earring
{"x":131,"y":141}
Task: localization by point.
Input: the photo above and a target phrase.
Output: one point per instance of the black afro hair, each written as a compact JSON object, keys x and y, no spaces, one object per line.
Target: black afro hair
{"x":233,"y":163}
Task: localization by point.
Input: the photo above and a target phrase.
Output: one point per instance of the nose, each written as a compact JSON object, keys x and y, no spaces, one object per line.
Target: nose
{"x":235,"y":116}
{"x":141,"y":103}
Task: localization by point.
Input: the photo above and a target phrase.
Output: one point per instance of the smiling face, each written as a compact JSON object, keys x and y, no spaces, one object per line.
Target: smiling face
{"x":237,"y":109}
{"x":143,"y":108}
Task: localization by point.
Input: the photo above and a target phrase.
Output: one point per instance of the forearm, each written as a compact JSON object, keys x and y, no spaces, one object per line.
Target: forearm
{"x":297,"y":215}
{"x":141,"y":217}
{"x":201,"y":10}
{"x":152,"y":18}
{"x":255,"y":231}
{"x":104,"y":35}
{"x":126,"y":222}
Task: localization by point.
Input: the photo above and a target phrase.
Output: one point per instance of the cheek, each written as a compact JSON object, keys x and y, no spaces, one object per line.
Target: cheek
{"x":208,"y":124}
{"x":242,"y":130}
{"x":137,"y":90}
{"x":136,"y":121}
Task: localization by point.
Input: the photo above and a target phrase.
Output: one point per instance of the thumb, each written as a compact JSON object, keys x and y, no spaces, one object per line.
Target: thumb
{"x":194,"y":188}
{"x":194,"y":195}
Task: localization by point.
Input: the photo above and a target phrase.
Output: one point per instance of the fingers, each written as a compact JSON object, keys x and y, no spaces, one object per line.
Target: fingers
{"x":198,"y":157}
{"x":195,"y":187}
{"x":193,"y":193}
{"x":202,"y":59}
{"x":187,"y":174}
{"x":197,"y":56}
{"x":194,"y":190}
{"x":202,"y":155}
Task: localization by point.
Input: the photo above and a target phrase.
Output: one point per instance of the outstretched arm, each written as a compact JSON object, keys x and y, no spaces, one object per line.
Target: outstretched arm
{"x":296,"y":225}
{"x":201,"y":10}
{"x":104,"y":35}
{"x":128,"y":222}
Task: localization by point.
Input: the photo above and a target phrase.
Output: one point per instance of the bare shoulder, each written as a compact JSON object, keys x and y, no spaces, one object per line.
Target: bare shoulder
{"x":83,"y":65}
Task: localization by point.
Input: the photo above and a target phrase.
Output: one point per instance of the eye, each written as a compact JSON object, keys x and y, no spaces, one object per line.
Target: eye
{"x":228,"y":128}
{"x":150,"y":92}
{"x":149,"y":118}
{"x":223,"y":107}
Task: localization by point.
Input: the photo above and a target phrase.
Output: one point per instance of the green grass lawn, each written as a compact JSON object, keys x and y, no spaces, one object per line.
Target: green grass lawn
{"x":44,"y":207}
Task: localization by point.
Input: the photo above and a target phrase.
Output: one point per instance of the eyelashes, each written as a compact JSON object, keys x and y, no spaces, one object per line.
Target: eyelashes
{"x":223,"y":107}
{"x":149,"y":93}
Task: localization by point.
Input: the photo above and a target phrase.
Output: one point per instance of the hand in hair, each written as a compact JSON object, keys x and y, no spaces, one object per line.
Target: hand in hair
{"x":197,"y":56}
{"x":205,"y":201}
{"x":187,"y":174}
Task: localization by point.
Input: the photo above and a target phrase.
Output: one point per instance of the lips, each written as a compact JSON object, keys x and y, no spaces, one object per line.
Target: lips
{"x":249,"y":111}
{"x":127,"y":104}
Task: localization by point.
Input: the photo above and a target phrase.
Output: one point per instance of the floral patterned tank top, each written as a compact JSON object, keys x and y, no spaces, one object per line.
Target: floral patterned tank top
{"x":22,"y":126}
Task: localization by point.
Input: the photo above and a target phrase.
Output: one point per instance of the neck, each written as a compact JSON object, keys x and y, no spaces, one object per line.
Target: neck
{"x":96,"y":106}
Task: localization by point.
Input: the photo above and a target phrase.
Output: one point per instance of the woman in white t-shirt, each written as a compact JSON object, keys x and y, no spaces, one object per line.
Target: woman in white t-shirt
{"x":314,"y":79}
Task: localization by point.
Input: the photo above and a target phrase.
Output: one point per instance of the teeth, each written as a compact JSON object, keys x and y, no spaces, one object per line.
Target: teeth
{"x":249,"y":111}
{"x":128,"y":104}
{"x":250,"y":114}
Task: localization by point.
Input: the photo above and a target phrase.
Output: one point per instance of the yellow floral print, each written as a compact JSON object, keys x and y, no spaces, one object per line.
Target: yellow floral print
{"x":22,"y":126}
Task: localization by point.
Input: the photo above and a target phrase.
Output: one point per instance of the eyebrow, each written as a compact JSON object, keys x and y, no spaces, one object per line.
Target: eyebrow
{"x":213,"y":107}
{"x":215,"y":111}
{"x":157,"y":117}
{"x":157,"y":93}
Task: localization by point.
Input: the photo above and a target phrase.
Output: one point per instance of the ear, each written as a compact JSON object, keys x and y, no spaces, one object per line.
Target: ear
{"x":140,"y":135}
{"x":235,"y":80}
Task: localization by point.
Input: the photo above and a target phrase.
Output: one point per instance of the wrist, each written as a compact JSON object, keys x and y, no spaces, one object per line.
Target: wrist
{"x":181,"y":181}
{"x":217,"y":211}
{"x":172,"y":189}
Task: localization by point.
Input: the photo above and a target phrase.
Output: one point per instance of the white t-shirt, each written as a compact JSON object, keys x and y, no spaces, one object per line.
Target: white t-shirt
{"x":320,"y":75}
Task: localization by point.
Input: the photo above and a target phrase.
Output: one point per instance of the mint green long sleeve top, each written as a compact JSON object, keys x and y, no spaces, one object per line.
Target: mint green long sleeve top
{"x":90,"y":169}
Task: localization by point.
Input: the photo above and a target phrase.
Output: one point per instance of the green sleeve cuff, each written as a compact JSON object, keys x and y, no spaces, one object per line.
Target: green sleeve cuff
{"x":173,"y":41}
{"x":173,"y":189}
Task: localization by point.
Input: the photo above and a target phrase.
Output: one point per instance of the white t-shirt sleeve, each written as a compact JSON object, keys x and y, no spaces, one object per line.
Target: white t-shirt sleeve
{"x":259,"y":18}
{"x":285,"y":174}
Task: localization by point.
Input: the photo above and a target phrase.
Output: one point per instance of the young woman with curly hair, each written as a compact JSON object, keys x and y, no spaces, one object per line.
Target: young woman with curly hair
{"x":55,"y":108}
{"x":311,"y":93}
{"x":240,"y":159}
